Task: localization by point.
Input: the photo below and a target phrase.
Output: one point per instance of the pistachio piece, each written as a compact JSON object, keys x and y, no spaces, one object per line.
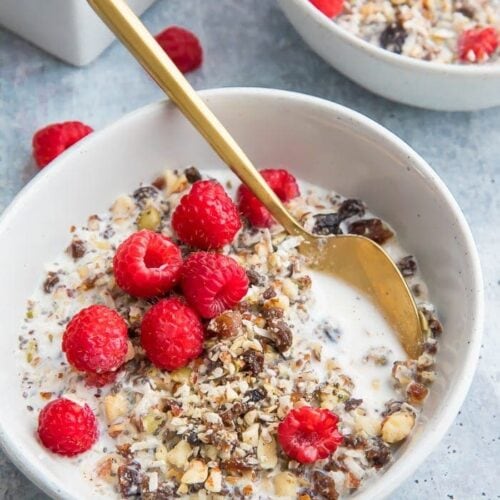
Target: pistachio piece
{"x":149,"y":218}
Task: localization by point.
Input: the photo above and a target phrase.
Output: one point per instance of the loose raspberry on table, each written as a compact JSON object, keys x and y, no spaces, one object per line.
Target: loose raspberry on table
{"x":477,"y":44}
{"x":182,"y":46}
{"x":171,"y":334}
{"x":67,"y":428}
{"x":206,"y":217}
{"x":331,"y":8}
{"x":50,"y":141}
{"x":308,"y":434}
{"x":282,"y":182}
{"x":96,"y":340}
{"x":147,"y":264}
{"x":213,"y":283}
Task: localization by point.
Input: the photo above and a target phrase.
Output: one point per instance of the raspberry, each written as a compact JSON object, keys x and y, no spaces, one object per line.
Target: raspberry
{"x":308,"y":434}
{"x":147,"y":264}
{"x":67,"y":428}
{"x":182,"y":46}
{"x":331,"y":8}
{"x":213,"y":283}
{"x":171,"y":334}
{"x":206,"y":217}
{"x":96,"y":340}
{"x":477,"y":44}
{"x":100,"y":379}
{"x":281,"y":182}
{"x":50,"y":141}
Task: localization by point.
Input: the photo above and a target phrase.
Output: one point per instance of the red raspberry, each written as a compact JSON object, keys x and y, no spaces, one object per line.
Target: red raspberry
{"x":50,"y":141}
{"x":100,"y":379}
{"x":147,"y":264}
{"x":96,"y":340}
{"x":331,"y":8}
{"x":477,"y":44}
{"x":182,"y":46}
{"x":67,"y":428}
{"x":171,"y":334}
{"x":308,"y":434}
{"x":282,"y":183}
{"x":206,"y":217}
{"x":213,"y":283}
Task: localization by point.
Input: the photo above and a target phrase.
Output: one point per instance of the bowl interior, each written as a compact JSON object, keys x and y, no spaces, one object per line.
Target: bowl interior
{"x":320,"y":142}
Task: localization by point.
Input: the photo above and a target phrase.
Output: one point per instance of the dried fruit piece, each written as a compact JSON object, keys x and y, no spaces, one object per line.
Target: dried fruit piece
{"x":374,"y":229}
{"x":408,"y":266}
{"x":393,"y":38}
{"x":182,"y":46}
{"x":308,"y":434}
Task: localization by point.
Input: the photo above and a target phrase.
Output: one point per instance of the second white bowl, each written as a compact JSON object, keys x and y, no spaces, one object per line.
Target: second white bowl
{"x":439,"y":86}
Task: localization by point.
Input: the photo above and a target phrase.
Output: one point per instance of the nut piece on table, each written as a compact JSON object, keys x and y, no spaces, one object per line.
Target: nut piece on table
{"x":179,"y":454}
{"x":285,"y":484}
{"x":115,"y":406}
{"x":397,"y":426}
{"x":267,"y":453}
{"x":214,"y":481}
{"x":197,"y":472}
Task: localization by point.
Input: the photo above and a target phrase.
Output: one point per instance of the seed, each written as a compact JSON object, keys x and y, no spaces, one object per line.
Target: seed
{"x":149,"y":219}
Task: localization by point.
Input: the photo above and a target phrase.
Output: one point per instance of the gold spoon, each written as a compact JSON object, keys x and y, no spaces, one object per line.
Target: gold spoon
{"x":355,"y":259}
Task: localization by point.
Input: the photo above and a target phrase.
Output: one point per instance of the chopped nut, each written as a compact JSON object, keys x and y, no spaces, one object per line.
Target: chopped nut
{"x":115,"y":406}
{"x":197,"y":472}
{"x":397,"y":426}
{"x":181,"y":375}
{"x":214,"y":481}
{"x":179,"y":454}
{"x":285,"y":484}
{"x":77,"y":249}
{"x":267,"y":453}
{"x":251,"y":435}
{"x":122,"y":207}
{"x":408,"y":266}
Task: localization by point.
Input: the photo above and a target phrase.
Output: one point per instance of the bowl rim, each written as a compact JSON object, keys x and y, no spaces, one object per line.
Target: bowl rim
{"x":426,"y":442}
{"x":471,"y":71}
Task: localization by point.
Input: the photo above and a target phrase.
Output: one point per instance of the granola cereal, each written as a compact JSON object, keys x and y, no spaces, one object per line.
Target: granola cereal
{"x":208,"y":430}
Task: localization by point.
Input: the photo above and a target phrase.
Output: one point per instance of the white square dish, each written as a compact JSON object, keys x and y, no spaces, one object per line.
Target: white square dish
{"x":67,"y":29}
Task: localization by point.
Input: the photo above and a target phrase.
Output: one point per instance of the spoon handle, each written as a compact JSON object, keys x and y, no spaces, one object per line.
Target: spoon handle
{"x":141,"y":44}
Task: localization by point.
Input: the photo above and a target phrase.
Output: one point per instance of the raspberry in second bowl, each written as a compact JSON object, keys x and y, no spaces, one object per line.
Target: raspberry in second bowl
{"x":206,"y":217}
{"x":147,"y":264}
{"x":213,"y":283}
{"x":96,"y":340}
{"x":171,"y":334}
{"x":67,"y":428}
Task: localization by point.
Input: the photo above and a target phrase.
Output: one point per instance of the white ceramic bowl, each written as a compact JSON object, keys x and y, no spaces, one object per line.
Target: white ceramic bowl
{"x":321,"y":142}
{"x":400,"y":78}
{"x":68,"y":29}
